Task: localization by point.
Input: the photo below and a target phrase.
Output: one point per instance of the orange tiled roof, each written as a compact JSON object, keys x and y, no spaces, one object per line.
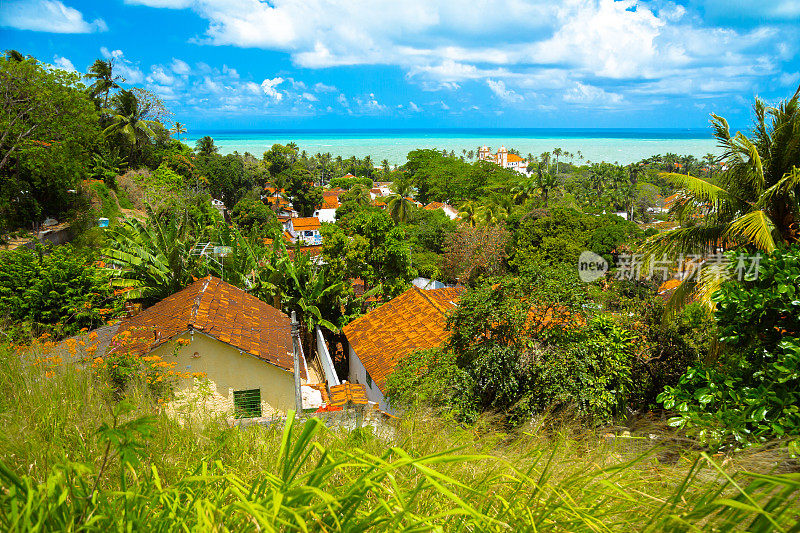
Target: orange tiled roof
{"x":330,"y":202}
{"x":272,"y":200}
{"x":221,"y":311}
{"x":414,"y":320}
{"x":513,"y":158}
{"x":333,"y":192}
{"x":434,"y":205}
{"x":348,"y":393}
{"x":304,"y":224}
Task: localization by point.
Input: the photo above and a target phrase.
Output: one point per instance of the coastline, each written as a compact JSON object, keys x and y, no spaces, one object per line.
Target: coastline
{"x":613,"y":145}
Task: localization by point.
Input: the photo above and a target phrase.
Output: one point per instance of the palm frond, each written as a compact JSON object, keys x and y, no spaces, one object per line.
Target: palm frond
{"x":756,"y":228}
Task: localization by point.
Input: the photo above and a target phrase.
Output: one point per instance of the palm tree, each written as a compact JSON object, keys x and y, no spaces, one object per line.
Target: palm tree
{"x":206,"y":146}
{"x":557,"y":152}
{"x":102,"y":72}
{"x":359,"y":194}
{"x":153,"y":260}
{"x":128,"y":121}
{"x":753,"y":206}
{"x":14,"y":55}
{"x":469,"y":213}
{"x":400,"y":205}
{"x":545,"y":182}
{"x":178,"y":128}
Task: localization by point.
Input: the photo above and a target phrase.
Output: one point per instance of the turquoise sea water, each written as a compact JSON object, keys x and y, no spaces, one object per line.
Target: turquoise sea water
{"x":622,"y":145}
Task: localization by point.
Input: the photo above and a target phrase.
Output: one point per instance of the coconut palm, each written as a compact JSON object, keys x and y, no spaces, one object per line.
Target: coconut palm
{"x":399,"y":204}
{"x":127,"y":120}
{"x":102,"y":72}
{"x":359,"y":193}
{"x":469,"y":213}
{"x":177,"y":128}
{"x":14,"y":55}
{"x":205,"y":145}
{"x":545,"y":183}
{"x":753,"y":206}
{"x":557,"y":153}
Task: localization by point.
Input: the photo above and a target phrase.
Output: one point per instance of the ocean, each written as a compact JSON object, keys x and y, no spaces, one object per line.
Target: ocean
{"x":612,"y":145}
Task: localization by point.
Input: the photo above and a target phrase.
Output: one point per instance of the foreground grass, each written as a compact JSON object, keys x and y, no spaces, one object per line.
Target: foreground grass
{"x":71,"y":459}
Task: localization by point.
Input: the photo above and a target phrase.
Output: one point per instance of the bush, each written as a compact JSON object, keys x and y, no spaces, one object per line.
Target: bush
{"x":348,"y":183}
{"x":55,"y":290}
{"x":752,"y":393}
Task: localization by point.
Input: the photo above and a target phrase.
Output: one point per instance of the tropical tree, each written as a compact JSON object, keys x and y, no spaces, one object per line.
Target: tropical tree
{"x":205,"y":145}
{"x":178,"y":128}
{"x":545,"y":183}
{"x":752,"y":206}
{"x":399,"y":204}
{"x":557,"y":153}
{"x":152,"y":260}
{"x":469,"y":213}
{"x":102,"y":72}
{"x":129,"y":122}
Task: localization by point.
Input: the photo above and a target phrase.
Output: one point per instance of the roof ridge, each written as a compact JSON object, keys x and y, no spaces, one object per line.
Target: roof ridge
{"x":197,"y":300}
{"x":430,"y":300}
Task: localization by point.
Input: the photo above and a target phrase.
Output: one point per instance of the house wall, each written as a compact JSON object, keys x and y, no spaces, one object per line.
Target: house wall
{"x":227,"y":370}
{"x":358,"y":374}
{"x":326,"y":215}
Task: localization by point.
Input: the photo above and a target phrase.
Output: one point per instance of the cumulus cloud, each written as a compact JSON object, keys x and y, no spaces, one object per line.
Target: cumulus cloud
{"x":122,"y":66}
{"x":589,"y":94}
{"x":63,"y":63}
{"x":309,"y":97}
{"x":180,"y":68}
{"x":48,"y":16}
{"x":414,"y":107}
{"x":498,"y":87}
{"x":323,"y":88}
{"x":268,"y":86}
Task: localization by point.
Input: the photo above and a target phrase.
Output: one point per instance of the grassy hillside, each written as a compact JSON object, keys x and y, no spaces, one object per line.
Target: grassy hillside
{"x":73,"y":459}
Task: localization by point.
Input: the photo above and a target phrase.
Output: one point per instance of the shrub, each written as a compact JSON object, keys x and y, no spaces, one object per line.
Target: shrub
{"x":752,"y":393}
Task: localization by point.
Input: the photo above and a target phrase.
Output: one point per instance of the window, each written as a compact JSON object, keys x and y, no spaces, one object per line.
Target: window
{"x":369,"y":379}
{"x":247,"y":403}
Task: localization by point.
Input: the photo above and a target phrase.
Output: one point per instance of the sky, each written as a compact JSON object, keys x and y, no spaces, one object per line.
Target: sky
{"x":256,"y":64}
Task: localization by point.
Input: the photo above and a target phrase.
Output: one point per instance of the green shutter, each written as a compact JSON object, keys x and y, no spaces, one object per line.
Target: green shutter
{"x":247,"y":403}
{"x":369,"y":379}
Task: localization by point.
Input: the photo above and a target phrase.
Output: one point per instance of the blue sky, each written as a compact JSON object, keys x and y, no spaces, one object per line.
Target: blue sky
{"x":246,"y":64}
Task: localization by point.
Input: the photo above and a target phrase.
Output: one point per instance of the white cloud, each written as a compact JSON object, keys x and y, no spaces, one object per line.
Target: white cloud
{"x":322,"y":88}
{"x":498,"y":87}
{"x":180,"y":68}
{"x":63,"y":63}
{"x":309,"y":97}
{"x":414,"y":107}
{"x":529,"y":45}
{"x":47,"y":16}
{"x":788,"y":78}
{"x":122,"y":66}
{"x":159,"y":76}
{"x":589,"y":94}
{"x":268,"y":86}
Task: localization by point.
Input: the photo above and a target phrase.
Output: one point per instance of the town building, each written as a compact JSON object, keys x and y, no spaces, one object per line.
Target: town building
{"x":238,"y":347}
{"x":415,"y":320}
{"x":304,"y":230}
{"x":504,"y":158}
{"x":448,"y":209}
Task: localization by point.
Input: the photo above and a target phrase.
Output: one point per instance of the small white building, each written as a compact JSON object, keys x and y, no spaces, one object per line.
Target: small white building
{"x":504,"y":158}
{"x":327,"y":211}
{"x":305,"y":230}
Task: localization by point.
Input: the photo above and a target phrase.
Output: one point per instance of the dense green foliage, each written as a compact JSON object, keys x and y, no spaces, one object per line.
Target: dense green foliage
{"x":54,"y":290}
{"x":752,"y":391}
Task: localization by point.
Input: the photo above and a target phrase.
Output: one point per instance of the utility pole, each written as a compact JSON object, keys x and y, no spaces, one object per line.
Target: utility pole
{"x":298,"y":399}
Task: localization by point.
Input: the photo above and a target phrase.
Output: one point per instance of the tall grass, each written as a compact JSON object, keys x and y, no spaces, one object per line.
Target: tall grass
{"x":71,"y":459}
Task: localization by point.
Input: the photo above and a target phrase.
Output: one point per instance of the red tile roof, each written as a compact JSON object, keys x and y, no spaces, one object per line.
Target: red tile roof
{"x":303,"y":224}
{"x":221,"y":311}
{"x":434,"y":205}
{"x":513,"y":158}
{"x":414,"y":320}
{"x":330,"y":202}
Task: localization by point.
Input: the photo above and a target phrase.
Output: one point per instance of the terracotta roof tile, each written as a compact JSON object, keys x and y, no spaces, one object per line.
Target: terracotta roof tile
{"x":414,"y":320}
{"x":348,"y":392}
{"x":220,"y":310}
{"x":303,"y":224}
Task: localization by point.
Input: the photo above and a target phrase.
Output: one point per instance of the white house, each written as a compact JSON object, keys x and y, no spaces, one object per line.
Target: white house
{"x":305,"y":230}
{"x":378,"y":340}
{"x":327,"y":211}
{"x":448,"y":209}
